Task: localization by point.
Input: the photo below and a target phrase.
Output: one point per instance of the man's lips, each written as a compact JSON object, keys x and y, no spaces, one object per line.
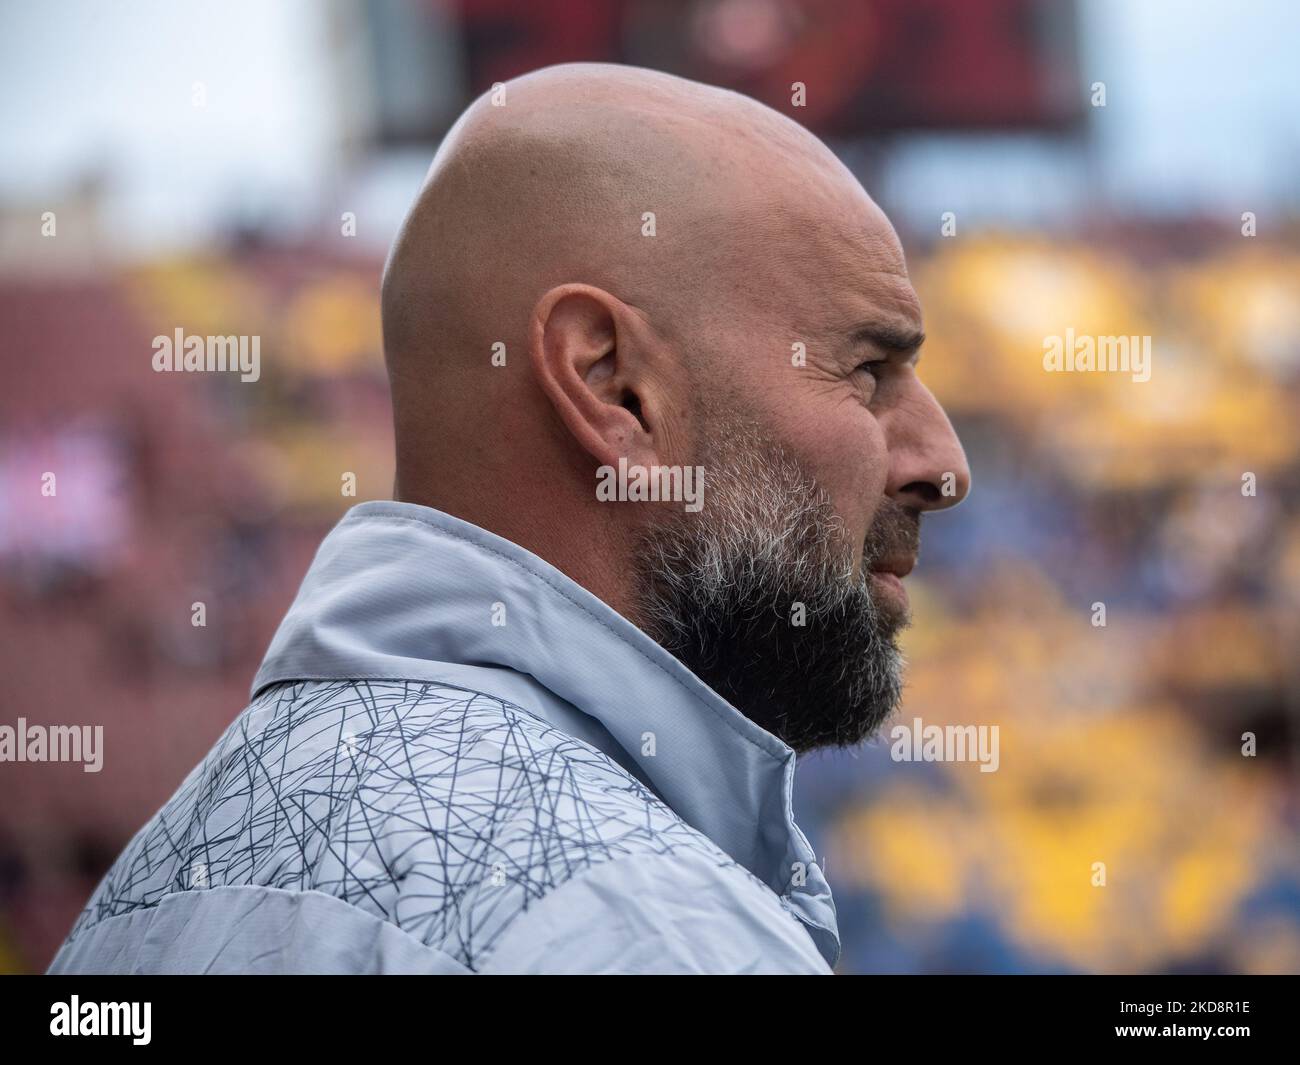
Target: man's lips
{"x":890,"y":585}
{"x":887,"y":576}
{"x":897,"y":565}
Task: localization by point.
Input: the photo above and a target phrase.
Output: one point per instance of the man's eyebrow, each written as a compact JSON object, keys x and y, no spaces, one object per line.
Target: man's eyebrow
{"x":897,"y":339}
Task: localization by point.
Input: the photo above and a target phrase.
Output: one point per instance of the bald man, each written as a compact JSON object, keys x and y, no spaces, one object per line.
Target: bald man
{"x":662,"y":453}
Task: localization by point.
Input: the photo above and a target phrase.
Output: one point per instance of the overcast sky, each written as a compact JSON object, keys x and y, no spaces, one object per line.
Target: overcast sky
{"x":1203,"y":111}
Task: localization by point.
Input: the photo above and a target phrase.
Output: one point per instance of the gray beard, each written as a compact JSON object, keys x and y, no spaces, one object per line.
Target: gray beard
{"x":721,"y":590}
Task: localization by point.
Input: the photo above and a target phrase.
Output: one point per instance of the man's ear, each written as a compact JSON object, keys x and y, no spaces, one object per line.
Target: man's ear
{"x":587,"y":349}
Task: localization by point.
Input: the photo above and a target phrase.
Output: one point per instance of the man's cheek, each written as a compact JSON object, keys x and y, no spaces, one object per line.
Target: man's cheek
{"x":841,"y":446}
{"x":856,"y":481}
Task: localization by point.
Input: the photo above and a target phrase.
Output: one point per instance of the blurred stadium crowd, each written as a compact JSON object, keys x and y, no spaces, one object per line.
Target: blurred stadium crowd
{"x":199,"y":158}
{"x":1120,"y":744}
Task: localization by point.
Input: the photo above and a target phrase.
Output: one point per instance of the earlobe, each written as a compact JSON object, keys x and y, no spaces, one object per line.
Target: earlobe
{"x":585,"y":361}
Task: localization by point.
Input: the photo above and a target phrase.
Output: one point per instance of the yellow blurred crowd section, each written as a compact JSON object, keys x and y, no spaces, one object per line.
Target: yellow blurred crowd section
{"x":322,"y":331}
{"x":1096,"y":765}
{"x":1224,"y":337}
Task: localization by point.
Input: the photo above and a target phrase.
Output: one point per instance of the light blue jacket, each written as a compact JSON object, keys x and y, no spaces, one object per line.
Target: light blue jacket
{"x":459,"y":760}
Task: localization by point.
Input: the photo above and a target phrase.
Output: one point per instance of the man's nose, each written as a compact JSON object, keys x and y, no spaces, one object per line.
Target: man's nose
{"x":927,"y":465}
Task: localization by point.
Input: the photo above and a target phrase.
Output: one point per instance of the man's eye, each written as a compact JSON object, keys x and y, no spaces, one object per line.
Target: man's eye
{"x":874,"y":367}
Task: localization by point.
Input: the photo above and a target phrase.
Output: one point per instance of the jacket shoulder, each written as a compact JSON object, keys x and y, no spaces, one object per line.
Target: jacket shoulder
{"x":446,"y":812}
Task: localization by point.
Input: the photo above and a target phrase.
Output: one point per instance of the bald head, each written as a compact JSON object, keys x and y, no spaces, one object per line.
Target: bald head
{"x":662,"y":192}
{"x":611,"y":267}
{"x":551,"y":181}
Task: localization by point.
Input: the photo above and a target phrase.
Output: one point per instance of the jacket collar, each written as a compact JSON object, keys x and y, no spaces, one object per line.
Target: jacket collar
{"x":402,"y":591}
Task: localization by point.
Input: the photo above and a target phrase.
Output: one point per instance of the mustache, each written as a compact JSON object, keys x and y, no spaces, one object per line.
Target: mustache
{"x":895,"y":533}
